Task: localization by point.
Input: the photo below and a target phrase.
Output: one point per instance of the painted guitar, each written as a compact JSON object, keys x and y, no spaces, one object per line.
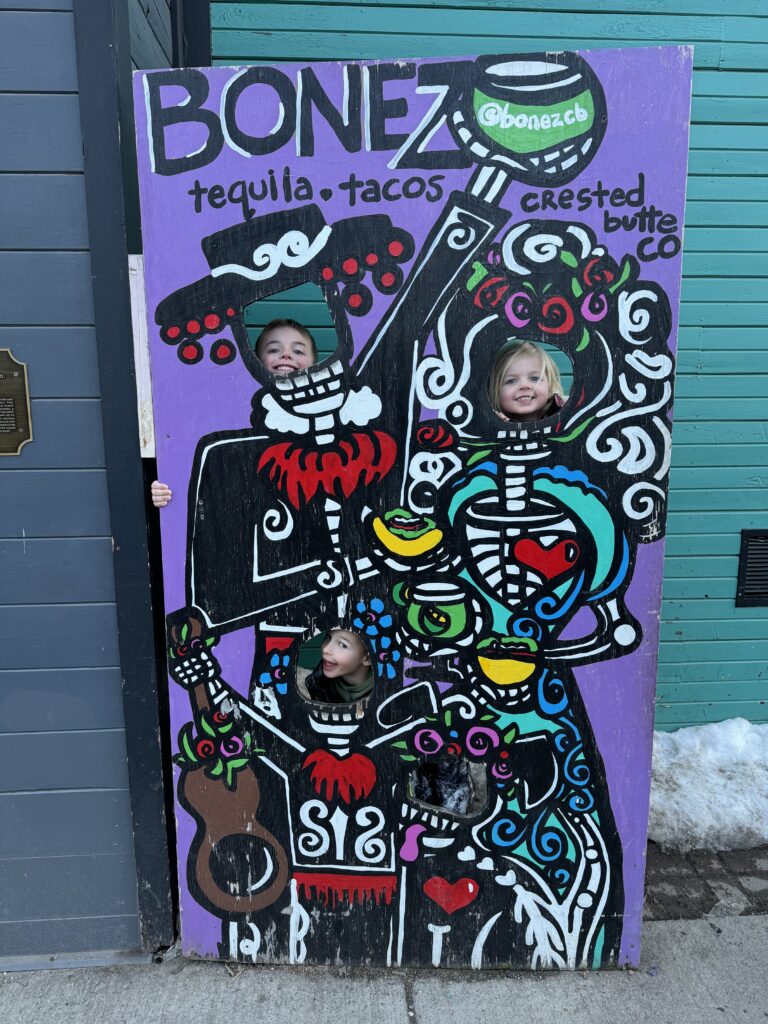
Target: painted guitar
{"x":236,"y":866}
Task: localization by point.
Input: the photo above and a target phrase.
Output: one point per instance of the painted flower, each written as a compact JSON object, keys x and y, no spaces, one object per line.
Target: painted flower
{"x":387,"y":658}
{"x":519,"y":309}
{"x":594,"y":306}
{"x":277,"y":675}
{"x":556,"y":316}
{"x":370,"y":619}
{"x":599,"y":272}
{"x":435,"y":434}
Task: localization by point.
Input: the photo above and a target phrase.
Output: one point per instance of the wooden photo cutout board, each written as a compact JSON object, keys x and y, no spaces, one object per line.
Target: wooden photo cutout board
{"x":486,"y":804}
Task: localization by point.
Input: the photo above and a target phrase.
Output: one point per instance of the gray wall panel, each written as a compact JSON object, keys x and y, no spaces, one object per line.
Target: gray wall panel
{"x":59,"y":635}
{"x":63,"y":760}
{"x":63,"y":503}
{"x":67,"y":435}
{"x":35,"y":5}
{"x":42,"y":887}
{"x":40,"y":133}
{"x":61,"y":361}
{"x":46,"y":288}
{"x":37,"y":51}
{"x":26,"y":938}
{"x":58,"y":699}
{"x":43,"y":211}
{"x":74,"y":824}
{"x":52,"y":572}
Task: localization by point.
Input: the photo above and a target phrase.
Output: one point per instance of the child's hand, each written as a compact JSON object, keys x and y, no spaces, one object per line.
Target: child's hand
{"x":161,"y":494}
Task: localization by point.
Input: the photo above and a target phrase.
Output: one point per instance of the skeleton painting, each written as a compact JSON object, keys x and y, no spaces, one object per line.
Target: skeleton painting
{"x":486,"y":804}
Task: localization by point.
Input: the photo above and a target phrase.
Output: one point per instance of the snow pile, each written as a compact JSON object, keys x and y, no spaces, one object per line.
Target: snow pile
{"x":709,"y":787}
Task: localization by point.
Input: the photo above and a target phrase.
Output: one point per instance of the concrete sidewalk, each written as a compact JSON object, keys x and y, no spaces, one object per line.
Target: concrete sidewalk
{"x":693,"y":972}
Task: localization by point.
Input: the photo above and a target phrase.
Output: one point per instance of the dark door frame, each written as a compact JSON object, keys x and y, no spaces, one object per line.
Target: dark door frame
{"x":102,"y":41}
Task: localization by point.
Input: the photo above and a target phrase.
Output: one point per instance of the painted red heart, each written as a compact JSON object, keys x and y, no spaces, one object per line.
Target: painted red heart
{"x":451,"y":896}
{"x":550,"y":562}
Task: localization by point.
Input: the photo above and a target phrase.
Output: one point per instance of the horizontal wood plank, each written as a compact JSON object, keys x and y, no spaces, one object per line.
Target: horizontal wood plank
{"x":42,"y":288}
{"x":43,"y":887}
{"x":41,"y":132}
{"x":76,"y":824}
{"x":61,"y":361}
{"x":70,"y":935}
{"x":56,"y":571}
{"x":37,"y":51}
{"x":43,"y":211}
{"x":58,"y":503}
{"x":58,"y":700}
{"x":60,"y":636}
{"x":67,"y":435}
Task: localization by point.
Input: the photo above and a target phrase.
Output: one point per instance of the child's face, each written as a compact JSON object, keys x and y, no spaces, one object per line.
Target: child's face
{"x":284,"y":349}
{"x":524,"y":391}
{"x":345,"y":656}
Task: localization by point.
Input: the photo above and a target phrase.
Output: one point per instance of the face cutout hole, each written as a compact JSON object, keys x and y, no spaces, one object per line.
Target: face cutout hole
{"x":450,"y":783}
{"x":334,"y":668}
{"x":528,"y":381}
{"x":306,"y":308}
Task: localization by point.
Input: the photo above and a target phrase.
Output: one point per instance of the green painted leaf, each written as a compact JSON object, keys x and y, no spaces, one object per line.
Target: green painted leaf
{"x":576,"y":288}
{"x":408,"y":757}
{"x":185,"y":742}
{"x":226,"y":727}
{"x":478,"y":273}
{"x":217,"y":769}
{"x":574,"y":433}
{"x":184,"y":632}
{"x":510,"y":734}
{"x":401,"y":745}
{"x":626,"y":268}
{"x":568,"y":258}
{"x":210,"y":641}
{"x":478,"y":457}
{"x":206,"y":727}
{"x":584,"y":340}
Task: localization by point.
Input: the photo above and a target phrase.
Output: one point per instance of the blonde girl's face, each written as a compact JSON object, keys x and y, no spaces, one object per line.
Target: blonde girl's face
{"x":344,"y":655}
{"x":284,"y":349}
{"x":524,"y":389}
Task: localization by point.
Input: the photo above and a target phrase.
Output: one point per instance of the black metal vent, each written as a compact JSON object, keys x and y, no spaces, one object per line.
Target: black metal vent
{"x":752,"y":585}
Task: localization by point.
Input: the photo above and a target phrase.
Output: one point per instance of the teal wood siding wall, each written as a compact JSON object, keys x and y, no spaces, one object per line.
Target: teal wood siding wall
{"x":714,"y":656}
{"x":67,"y":872}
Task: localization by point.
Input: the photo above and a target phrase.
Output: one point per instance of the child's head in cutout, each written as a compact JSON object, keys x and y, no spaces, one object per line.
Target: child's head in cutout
{"x":525,"y":383}
{"x":344,"y":674}
{"x":285,"y":346}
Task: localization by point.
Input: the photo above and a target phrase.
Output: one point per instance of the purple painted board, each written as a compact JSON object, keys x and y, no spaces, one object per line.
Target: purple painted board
{"x":464,"y":779}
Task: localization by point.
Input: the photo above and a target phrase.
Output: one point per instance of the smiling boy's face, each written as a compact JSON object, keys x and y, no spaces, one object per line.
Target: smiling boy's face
{"x":345,"y":657}
{"x":284,"y":349}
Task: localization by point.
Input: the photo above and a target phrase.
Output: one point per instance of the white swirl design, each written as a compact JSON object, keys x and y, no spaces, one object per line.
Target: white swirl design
{"x":634,"y":321}
{"x":657,"y":367}
{"x":430,"y":468}
{"x":369,"y":846}
{"x":330,"y":577}
{"x":317,"y":841}
{"x":294,"y":249}
{"x":642,"y":500}
{"x":460,"y":234}
{"x":277,"y":522}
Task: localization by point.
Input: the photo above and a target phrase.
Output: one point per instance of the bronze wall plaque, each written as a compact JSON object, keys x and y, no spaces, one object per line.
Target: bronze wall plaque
{"x":15,"y":417}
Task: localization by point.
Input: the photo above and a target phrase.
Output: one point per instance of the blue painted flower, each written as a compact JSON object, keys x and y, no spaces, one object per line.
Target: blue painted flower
{"x":278,"y":672}
{"x":369,"y":619}
{"x":387,"y":659}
